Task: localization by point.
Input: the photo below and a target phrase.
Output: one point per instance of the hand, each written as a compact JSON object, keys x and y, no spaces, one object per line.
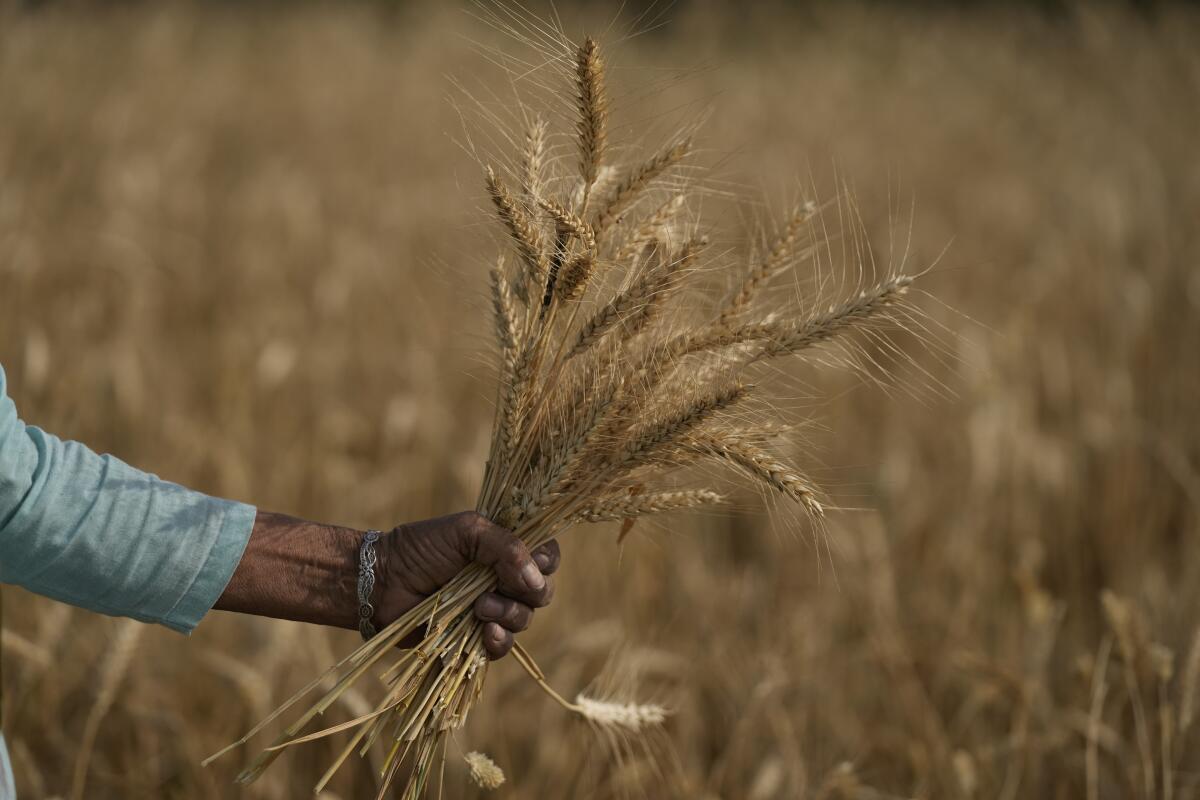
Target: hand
{"x":418,"y":559}
{"x":293,"y":569}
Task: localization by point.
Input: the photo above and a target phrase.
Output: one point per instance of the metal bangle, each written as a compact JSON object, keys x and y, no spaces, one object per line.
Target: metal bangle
{"x":366,"y":584}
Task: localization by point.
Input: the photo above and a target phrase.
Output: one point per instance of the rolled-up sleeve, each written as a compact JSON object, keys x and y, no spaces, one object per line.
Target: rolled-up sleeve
{"x":94,"y":532}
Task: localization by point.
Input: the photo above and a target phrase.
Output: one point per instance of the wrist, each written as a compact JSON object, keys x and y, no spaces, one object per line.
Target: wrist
{"x":298,"y":570}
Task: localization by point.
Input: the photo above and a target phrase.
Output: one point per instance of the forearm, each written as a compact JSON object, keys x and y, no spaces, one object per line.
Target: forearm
{"x":298,"y":570}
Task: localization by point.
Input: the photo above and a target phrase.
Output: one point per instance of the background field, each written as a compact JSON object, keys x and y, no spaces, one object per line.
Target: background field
{"x":241,"y":248}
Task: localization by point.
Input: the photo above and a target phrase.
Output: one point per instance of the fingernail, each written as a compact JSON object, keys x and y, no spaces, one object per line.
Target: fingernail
{"x":542,"y":560}
{"x":490,"y":607}
{"x":533,"y":577}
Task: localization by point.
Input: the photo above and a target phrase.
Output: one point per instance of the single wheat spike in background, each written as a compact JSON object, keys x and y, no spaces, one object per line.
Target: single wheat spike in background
{"x":613,"y":396}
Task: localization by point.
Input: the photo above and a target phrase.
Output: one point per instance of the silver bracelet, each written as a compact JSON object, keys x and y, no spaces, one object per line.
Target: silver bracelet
{"x":366,"y":584}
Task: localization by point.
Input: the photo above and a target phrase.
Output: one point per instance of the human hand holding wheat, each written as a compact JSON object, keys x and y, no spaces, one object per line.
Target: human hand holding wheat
{"x":300,"y":570}
{"x":418,"y":559}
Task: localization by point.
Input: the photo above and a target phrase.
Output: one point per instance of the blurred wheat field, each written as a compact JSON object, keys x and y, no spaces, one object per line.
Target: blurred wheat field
{"x":242,"y":248}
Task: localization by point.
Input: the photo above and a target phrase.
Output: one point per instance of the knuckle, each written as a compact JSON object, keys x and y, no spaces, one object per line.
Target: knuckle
{"x":514,"y":551}
{"x":470,"y":521}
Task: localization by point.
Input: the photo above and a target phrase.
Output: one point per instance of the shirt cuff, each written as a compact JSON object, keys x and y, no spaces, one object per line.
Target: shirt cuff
{"x":214,"y":575}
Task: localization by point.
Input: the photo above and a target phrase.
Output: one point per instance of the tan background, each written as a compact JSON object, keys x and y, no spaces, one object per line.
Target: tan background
{"x":241,"y":249}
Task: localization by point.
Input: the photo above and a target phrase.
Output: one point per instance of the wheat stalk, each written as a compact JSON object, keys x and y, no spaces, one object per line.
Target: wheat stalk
{"x":595,"y":410}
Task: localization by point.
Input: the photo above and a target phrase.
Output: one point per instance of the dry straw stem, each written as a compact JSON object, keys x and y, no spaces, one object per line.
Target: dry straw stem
{"x":592,"y":419}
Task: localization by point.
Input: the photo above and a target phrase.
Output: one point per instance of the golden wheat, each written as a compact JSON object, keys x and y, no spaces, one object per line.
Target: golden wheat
{"x":592,"y":416}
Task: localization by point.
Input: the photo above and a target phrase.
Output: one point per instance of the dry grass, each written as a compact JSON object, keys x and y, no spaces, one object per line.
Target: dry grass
{"x":216,"y":249}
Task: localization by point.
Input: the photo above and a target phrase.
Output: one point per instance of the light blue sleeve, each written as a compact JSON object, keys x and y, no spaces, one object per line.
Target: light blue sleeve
{"x":92,"y":531}
{"x":8,"y":787}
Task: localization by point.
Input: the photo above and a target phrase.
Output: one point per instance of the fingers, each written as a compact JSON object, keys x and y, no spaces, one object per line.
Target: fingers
{"x":496,"y":641}
{"x":518,"y":573}
{"x":524,"y":581}
{"x":509,"y":614}
{"x":547,"y":557}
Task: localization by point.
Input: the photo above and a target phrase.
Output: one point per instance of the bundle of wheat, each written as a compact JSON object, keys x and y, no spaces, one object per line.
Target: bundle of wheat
{"x":606,"y":397}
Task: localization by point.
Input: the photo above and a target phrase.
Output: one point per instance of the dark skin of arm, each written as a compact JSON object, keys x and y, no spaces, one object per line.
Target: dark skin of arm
{"x":305,"y":571}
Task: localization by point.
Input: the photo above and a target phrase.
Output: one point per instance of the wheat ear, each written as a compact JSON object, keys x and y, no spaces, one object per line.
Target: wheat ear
{"x":524,"y":234}
{"x":484,"y":771}
{"x":505,"y":313}
{"x":775,"y":260}
{"x":533,"y":160}
{"x":569,"y":222}
{"x":627,"y":191}
{"x":632,"y":717}
{"x":658,"y":437}
{"x":637,"y":304}
{"x":592,"y":105}
{"x":626,"y":507}
{"x":664,"y":282}
{"x":649,"y":228}
{"x":738,"y":451}
{"x":852,"y":313}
